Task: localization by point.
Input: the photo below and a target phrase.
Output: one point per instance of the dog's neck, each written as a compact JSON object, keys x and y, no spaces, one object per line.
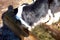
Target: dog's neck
{"x":19,"y":16}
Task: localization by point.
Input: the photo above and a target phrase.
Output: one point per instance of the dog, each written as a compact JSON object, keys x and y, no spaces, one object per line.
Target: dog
{"x":41,"y":11}
{"x":33,"y":14}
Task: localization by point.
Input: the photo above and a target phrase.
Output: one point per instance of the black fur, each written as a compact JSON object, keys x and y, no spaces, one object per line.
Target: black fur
{"x":55,"y":6}
{"x":34,"y":12}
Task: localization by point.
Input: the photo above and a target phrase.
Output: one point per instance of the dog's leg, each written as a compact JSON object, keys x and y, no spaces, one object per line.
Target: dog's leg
{"x":51,"y":18}
{"x":56,"y":17}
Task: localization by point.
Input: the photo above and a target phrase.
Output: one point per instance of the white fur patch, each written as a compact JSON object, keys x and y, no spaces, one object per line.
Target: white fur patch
{"x":20,"y":9}
{"x":51,"y":18}
{"x":19,"y":17}
{"x":56,"y":17}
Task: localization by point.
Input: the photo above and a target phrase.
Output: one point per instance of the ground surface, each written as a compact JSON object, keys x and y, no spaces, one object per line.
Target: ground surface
{"x":48,"y":32}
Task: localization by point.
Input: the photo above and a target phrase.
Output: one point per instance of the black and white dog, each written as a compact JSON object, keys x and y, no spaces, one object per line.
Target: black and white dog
{"x":39,"y":12}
